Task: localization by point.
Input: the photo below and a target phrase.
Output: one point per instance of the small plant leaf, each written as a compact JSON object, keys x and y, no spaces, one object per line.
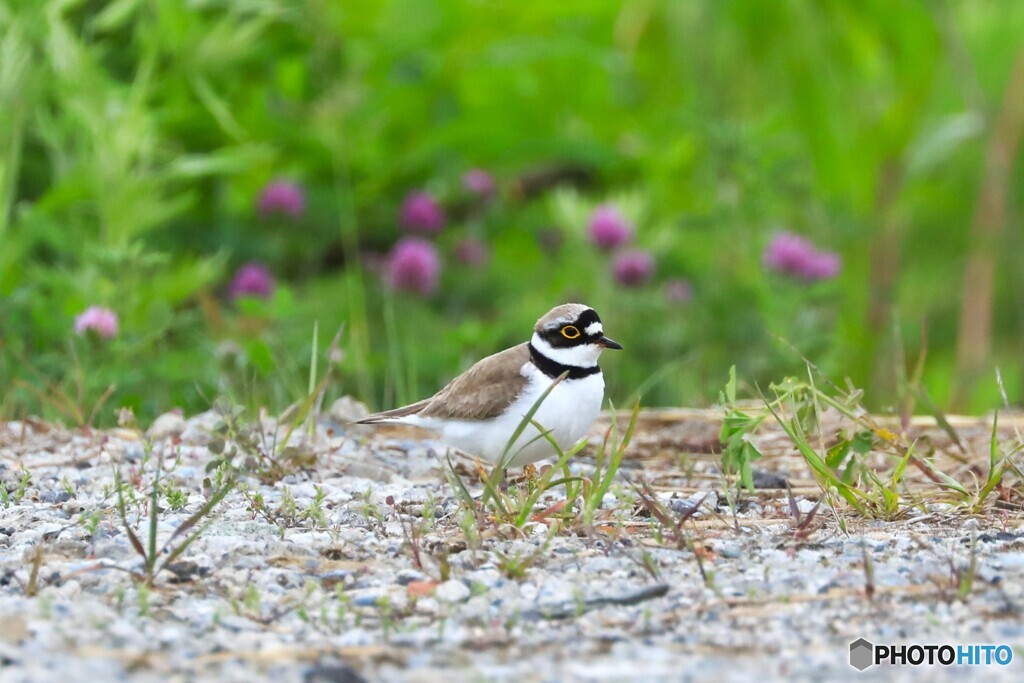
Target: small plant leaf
{"x":122,"y":511}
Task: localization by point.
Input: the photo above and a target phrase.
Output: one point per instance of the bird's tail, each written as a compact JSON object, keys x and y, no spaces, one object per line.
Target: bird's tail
{"x":394,"y":414}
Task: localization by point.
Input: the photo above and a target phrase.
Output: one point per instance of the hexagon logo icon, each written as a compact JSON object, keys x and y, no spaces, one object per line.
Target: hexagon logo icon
{"x":862,"y":654}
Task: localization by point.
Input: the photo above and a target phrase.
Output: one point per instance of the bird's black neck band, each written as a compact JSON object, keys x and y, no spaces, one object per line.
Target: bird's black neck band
{"x":553,"y":368}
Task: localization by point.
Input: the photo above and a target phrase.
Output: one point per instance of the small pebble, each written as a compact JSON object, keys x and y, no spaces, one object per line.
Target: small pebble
{"x":452,"y":591}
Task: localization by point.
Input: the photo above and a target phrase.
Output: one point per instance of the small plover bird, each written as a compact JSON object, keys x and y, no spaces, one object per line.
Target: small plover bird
{"x":480,"y":410}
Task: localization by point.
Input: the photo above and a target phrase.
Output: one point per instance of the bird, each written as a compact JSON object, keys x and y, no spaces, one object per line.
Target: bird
{"x":479,"y":411}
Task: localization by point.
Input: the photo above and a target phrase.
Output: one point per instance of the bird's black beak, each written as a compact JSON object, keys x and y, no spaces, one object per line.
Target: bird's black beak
{"x":609,"y":343}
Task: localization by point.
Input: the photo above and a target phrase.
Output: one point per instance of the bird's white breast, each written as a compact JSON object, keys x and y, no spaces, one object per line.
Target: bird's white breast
{"x":568,"y":411}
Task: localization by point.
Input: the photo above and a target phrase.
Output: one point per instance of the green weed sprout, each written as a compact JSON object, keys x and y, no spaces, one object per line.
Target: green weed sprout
{"x":151,"y":554}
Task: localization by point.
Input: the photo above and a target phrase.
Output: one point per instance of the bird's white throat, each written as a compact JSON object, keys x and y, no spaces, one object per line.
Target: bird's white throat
{"x":582,"y":356}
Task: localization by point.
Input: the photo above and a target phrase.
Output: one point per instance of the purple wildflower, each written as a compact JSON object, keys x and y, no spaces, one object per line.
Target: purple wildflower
{"x":679,"y":291}
{"x":479,"y":182}
{"x":252,"y":279}
{"x":472,"y":252}
{"x":633,"y":268}
{"x":414,"y":266}
{"x":608,"y":229}
{"x":282,"y":197}
{"x":421,"y":213}
{"x":793,"y":255}
{"x":100,"y":320}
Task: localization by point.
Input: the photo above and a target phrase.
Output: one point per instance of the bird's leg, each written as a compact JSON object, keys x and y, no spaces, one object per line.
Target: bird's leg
{"x":466,"y":464}
{"x":484,"y":475}
{"x":480,"y":471}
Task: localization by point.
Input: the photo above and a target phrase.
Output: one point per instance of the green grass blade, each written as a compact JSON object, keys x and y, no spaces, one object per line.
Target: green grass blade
{"x":993,"y":447}
{"x":527,"y":419}
{"x":122,"y":511}
{"x":154,"y":516}
{"x":312,"y":373}
{"x":204,"y":511}
{"x":605,"y":478}
{"x":823,"y":473}
{"x":526,"y":509}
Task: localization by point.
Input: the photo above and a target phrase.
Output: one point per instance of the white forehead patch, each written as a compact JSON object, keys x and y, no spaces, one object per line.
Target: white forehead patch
{"x":557,"y":323}
{"x":594,"y":328}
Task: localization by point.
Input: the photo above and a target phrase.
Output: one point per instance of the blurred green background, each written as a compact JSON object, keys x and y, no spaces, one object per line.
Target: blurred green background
{"x":148,"y":150}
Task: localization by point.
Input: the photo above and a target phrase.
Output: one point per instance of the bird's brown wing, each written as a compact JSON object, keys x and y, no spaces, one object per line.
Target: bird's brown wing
{"x":480,"y":393}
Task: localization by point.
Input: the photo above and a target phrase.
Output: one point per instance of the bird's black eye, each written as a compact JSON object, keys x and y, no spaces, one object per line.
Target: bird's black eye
{"x":570,"y":332}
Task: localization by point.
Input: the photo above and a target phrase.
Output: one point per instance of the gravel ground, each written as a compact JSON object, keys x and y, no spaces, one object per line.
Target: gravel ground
{"x":338,"y":577}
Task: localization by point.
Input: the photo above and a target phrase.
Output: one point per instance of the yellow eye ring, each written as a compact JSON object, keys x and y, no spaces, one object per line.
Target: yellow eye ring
{"x":570,"y":332}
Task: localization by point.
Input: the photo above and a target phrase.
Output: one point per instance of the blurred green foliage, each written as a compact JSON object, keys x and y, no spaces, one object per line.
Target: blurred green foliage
{"x":136,"y":137}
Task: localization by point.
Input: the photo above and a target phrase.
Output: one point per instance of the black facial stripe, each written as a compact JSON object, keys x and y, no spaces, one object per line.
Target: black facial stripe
{"x":582,"y":322}
{"x":553,"y":368}
{"x":587,"y":318}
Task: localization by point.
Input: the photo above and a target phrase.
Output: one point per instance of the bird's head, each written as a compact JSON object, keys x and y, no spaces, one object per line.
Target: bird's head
{"x":572,"y":334}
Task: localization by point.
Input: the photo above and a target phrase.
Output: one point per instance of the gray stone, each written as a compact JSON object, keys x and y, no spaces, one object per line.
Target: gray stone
{"x":452,"y":591}
{"x":346,"y":409}
{"x":166,"y":426}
